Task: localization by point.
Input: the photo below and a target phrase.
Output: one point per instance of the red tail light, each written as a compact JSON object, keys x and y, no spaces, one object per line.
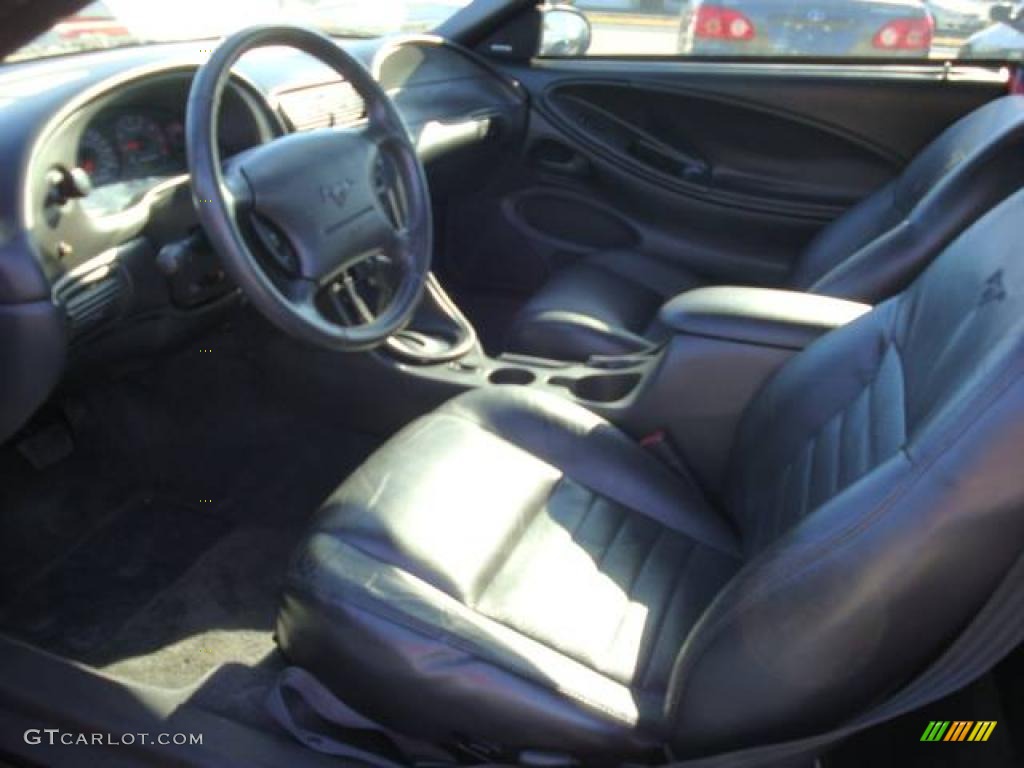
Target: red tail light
{"x":717,"y":23}
{"x":1017,"y":81}
{"x":905,"y":35}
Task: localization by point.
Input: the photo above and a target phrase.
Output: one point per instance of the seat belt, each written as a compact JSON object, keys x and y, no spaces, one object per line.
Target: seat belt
{"x":315,"y":717}
{"x":996,"y":630}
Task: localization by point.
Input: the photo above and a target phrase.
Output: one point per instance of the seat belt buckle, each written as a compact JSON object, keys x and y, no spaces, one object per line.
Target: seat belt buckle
{"x":654,"y":439}
{"x":479,"y":751}
{"x":659,"y":444}
{"x":540,"y":758}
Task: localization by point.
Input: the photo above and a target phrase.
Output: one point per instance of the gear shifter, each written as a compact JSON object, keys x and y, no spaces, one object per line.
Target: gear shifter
{"x":437,"y":333}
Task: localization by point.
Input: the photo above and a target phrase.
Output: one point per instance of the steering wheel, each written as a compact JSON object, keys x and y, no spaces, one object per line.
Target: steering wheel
{"x":328,"y":232}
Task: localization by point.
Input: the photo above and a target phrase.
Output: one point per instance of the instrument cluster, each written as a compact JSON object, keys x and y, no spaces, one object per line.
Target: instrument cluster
{"x":127,"y":144}
{"x":127,"y":151}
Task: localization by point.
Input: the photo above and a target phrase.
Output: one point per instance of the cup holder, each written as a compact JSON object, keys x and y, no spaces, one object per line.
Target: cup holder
{"x":519,"y":376}
{"x":600,"y":388}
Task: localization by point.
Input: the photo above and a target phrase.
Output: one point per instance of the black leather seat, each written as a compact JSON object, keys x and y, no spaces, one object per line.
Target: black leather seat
{"x":513,"y":570}
{"x":607,"y":303}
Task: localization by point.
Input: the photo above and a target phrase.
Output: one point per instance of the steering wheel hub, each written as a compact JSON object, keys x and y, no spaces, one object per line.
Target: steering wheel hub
{"x":292,"y":218}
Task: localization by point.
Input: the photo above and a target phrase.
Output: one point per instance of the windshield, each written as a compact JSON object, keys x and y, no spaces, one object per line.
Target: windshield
{"x":116,"y":23}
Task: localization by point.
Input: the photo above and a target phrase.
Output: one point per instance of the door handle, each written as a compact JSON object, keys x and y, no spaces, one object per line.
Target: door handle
{"x":575,"y":166}
{"x":555,"y":157}
{"x":673,"y":162}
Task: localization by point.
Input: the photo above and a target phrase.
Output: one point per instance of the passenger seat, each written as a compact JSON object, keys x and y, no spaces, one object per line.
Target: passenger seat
{"x":607,"y":303}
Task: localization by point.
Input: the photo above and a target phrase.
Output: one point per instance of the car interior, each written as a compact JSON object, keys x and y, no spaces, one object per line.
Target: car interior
{"x":421,"y":400}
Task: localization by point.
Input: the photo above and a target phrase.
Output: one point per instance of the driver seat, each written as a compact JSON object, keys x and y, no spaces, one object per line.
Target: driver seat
{"x":513,"y":571}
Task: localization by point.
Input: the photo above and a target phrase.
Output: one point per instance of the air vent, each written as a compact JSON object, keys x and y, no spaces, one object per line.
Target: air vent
{"x":92,"y":295}
{"x":322,"y":106}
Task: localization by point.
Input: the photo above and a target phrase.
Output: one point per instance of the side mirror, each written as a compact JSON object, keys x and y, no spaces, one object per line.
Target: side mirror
{"x":1001,"y":14}
{"x":565,"y":31}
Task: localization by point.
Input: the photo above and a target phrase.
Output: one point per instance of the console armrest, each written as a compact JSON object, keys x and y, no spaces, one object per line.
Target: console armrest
{"x":763,"y":316}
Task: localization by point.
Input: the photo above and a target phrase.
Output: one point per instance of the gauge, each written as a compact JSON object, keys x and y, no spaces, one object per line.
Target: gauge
{"x":97,"y":157}
{"x":176,"y":137}
{"x":143,"y":144}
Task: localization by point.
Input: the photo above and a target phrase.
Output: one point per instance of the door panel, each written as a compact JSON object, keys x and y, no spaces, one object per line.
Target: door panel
{"x":729,"y":169}
{"x":718,"y":148}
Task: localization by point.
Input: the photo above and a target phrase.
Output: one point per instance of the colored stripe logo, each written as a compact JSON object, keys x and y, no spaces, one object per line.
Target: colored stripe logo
{"x":958,"y":730}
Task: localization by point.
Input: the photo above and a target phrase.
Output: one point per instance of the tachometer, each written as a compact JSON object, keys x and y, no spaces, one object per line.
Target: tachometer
{"x":143,"y":144}
{"x":97,"y":157}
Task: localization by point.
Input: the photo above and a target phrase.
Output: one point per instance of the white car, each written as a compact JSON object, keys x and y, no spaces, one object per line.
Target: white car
{"x":958,"y":17}
{"x":1002,"y":40}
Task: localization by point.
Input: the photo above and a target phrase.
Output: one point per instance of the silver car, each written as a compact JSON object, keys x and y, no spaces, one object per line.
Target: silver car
{"x":816,"y":28}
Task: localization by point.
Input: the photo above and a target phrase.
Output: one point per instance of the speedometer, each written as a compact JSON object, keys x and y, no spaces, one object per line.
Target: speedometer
{"x":97,"y":157}
{"x":143,"y":145}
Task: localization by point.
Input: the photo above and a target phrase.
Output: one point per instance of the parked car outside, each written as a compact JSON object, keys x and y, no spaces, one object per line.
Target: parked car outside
{"x":93,"y":27}
{"x":958,"y":18}
{"x":654,"y":7}
{"x":823,"y":28}
{"x":1004,"y":39}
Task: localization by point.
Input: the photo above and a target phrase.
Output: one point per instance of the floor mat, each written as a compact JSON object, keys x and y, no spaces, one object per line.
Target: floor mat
{"x":74,"y":606}
{"x":221,"y":611}
{"x":213,"y":629}
{"x":155,"y":551}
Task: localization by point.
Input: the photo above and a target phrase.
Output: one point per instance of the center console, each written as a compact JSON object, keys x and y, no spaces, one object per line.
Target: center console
{"x":724,"y":343}
{"x":720,"y":344}
{"x":441,"y":345}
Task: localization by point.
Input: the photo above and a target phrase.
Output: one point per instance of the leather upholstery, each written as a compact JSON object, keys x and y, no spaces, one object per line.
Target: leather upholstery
{"x":876,"y":482}
{"x":760,"y":316}
{"x":870,"y":253}
{"x":514,"y":570}
{"x":881,"y":245}
{"x":555,"y":606}
{"x":606,"y":304}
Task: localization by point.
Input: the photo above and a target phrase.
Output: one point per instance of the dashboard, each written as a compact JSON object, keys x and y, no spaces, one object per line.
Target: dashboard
{"x":101,"y":253}
{"x":138,"y":142}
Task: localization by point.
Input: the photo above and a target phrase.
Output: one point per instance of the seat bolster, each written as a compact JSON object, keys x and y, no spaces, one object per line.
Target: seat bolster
{"x":584,"y":310}
{"x":572,"y":336}
{"x":878,"y":247}
{"x":880,"y":269}
{"x":854,"y":230}
{"x":662,"y":277}
{"x":385,"y":633}
{"x":597,"y":455}
{"x":601,"y":305}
